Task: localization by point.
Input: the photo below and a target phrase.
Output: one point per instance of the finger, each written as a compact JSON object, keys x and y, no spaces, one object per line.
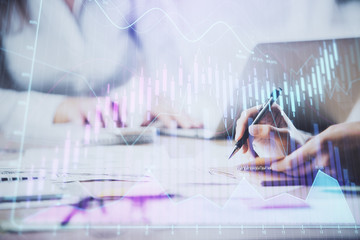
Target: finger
{"x":123,"y":112}
{"x":245,"y":147}
{"x":106,"y":119}
{"x":196,"y":123}
{"x":310,"y":150}
{"x":115,"y":114}
{"x":182,"y":120}
{"x":242,"y":122}
{"x":309,"y":168}
{"x":286,"y":164}
{"x":304,"y":168}
{"x":321,"y":162}
{"x":94,"y":118}
{"x":248,"y":156}
{"x":91,"y":117}
{"x":78,"y":119}
{"x":106,"y":106}
{"x":94,"y":115}
{"x":99,"y":117}
{"x":74,"y":116}
{"x":258,"y":161}
{"x":296,"y":158}
{"x":276,"y":107}
{"x":109,"y":122}
{"x":265,"y":131}
{"x":111,"y":115}
{"x":166,"y":120}
{"x":266,"y":161}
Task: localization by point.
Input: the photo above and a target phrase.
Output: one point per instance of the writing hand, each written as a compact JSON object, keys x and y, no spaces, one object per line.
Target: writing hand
{"x":271,"y":138}
{"x":318,"y":151}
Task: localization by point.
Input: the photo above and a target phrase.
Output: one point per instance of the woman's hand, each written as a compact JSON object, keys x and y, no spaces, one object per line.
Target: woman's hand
{"x":102,"y":112}
{"x":271,"y":138}
{"x":171,"y":117}
{"x":98,"y":112}
{"x":320,"y":152}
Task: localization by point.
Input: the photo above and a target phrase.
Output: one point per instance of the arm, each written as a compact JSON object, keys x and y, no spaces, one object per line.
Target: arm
{"x":325,"y":151}
{"x":41,"y":110}
{"x":340,"y":141}
{"x":45,"y":110}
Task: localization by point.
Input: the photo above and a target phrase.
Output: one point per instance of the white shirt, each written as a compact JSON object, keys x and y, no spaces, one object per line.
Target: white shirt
{"x":77,"y":53}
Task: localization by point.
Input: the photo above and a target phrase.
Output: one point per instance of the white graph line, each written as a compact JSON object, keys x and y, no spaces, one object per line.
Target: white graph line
{"x":338,"y":87}
{"x":201,"y":36}
{"x":27,"y":105}
{"x":331,"y":91}
{"x":51,"y":66}
{"x":175,"y":203}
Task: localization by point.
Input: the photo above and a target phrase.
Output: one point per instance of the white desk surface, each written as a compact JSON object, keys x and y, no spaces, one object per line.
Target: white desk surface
{"x":181,"y":169}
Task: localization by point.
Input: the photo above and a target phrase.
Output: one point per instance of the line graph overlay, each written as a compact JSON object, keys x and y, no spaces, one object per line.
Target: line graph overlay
{"x":336,"y":87}
{"x":184,"y":211}
{"x":201,"y":36}
{"x":53,"y":67}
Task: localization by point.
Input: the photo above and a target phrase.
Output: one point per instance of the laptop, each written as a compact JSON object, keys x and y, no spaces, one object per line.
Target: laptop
{"x":313,"y":74}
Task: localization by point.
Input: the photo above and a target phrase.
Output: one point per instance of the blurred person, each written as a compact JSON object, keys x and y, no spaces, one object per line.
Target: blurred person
{"x":62,"y":69}
{"x":83,"y":48}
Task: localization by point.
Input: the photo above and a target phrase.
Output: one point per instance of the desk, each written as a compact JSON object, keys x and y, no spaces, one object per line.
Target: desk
{"x":181,"y":169}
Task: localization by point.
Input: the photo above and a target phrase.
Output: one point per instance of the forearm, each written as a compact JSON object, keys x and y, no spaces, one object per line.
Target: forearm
{"x":34,"y":111}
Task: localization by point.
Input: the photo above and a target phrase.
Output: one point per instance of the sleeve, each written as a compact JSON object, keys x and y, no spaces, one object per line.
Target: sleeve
{"x":26,"y":112}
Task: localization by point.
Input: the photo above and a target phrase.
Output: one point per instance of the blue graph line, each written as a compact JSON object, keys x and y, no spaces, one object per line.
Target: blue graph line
{"x":282,"y":144}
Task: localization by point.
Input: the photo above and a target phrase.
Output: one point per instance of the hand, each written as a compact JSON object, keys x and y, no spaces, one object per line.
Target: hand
{"x":101,"y":112}
{"x":271,"y":138}
{"x":155,"y":108}
{"x":320,"y":153}
{"x":98,"y":112}
{"x":171,"y":117}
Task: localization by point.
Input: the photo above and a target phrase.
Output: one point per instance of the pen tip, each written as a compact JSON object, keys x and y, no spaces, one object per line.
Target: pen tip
{"x":233,"y":153}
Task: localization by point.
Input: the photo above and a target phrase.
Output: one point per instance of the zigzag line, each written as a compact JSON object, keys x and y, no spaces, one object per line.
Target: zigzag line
{"x":174,"y":24}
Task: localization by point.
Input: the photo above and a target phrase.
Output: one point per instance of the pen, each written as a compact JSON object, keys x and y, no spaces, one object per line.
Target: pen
{"x":263,"y":110}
